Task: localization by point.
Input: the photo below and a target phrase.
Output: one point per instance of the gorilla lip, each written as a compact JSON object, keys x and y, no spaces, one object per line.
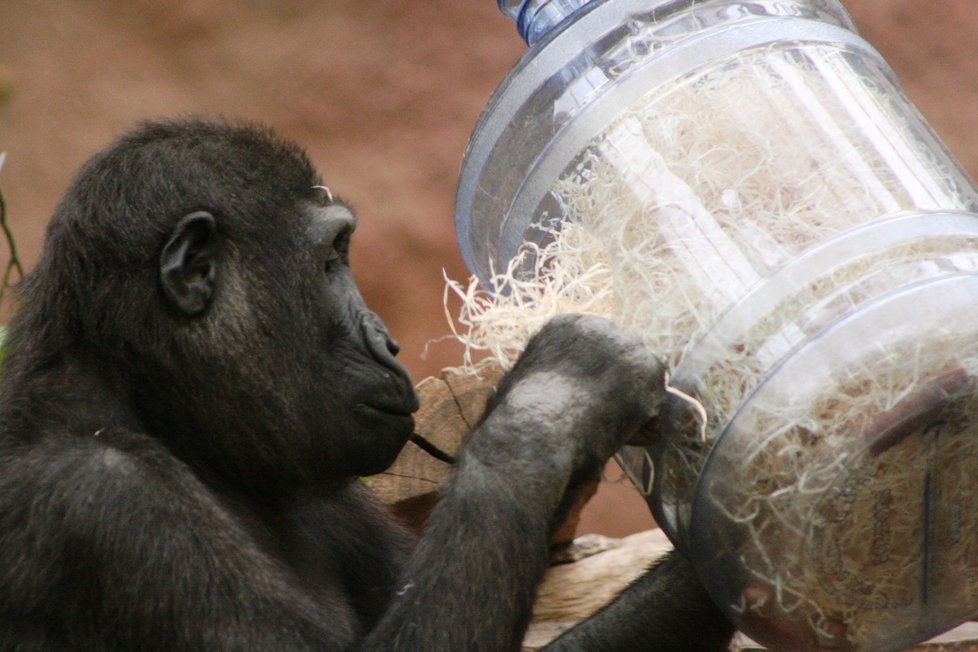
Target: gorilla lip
{"x":404,"y":410}
{"x":397,"y":419}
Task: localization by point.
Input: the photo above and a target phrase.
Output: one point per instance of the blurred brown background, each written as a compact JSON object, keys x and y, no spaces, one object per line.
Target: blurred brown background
{"x":382,"y":93}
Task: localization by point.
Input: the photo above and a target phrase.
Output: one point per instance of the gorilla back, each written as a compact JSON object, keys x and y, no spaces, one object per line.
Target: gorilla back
{"x":193,"y":385}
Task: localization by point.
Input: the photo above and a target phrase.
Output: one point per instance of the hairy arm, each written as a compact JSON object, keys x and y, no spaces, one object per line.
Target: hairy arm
{"x":578,"y":392}
{"x":472,"y":579}
{"x":666,"y":609}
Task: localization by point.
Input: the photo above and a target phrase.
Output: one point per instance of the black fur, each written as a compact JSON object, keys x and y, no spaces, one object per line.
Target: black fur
{"x":194,"y":384}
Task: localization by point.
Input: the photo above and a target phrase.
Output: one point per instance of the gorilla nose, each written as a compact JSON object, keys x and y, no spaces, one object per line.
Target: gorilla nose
{"x":383,"y":348}
{"x":380,"y":343}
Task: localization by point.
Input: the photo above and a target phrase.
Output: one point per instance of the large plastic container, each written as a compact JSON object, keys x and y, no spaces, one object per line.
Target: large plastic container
{"x":807,"y":252}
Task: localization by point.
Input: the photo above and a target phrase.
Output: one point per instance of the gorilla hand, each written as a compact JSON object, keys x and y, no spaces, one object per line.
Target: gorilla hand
{"x":581,"y":389}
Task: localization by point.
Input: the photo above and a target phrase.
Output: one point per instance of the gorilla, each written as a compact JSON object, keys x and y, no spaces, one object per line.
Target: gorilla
{"x":193,"y":390}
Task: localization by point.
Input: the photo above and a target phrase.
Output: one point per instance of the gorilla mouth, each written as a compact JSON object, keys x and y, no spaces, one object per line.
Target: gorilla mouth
{"x":402,"y":410}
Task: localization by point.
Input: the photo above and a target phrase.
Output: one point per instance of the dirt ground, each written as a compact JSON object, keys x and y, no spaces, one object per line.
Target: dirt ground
{"x":382,"y":93}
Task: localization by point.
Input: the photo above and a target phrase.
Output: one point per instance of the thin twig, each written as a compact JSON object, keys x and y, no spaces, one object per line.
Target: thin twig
{"x":14,"y":263}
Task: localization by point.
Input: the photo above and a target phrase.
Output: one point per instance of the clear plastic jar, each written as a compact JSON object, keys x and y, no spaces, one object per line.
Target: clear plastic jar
{"x":791,"y":236}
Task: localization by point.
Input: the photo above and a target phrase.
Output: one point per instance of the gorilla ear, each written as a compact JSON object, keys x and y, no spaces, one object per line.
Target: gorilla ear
{"x":188,"y":264}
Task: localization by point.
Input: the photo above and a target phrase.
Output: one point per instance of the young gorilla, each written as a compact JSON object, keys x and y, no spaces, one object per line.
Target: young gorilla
{"x":192,"y":388}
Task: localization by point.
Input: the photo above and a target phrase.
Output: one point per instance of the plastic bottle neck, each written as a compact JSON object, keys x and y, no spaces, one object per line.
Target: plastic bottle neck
{"x":534,"y":18}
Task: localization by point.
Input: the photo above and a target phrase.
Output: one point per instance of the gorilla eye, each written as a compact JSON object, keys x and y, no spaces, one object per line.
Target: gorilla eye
{"x":330,"y":229}
{"x":339,"y":252}
{"x":342,"y":242}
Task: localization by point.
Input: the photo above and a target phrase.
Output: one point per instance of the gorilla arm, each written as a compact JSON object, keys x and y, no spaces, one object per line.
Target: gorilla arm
{"x":666,"y":609}
{"x":578,"y":392}
{"x":472,"y":580}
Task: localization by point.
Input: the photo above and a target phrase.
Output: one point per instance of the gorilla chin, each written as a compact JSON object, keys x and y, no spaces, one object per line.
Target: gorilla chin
{"x":389,"y":428}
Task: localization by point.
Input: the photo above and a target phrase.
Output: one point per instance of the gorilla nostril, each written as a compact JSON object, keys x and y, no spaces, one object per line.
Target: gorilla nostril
{"x":380,"y":343}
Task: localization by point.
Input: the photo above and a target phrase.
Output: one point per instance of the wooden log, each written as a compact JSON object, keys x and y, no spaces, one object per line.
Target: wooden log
{"x":450,"y":407}
{"x":598,"y":568}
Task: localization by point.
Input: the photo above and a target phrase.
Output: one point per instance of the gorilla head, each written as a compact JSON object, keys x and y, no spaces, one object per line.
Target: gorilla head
{"x":252,"y":299}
